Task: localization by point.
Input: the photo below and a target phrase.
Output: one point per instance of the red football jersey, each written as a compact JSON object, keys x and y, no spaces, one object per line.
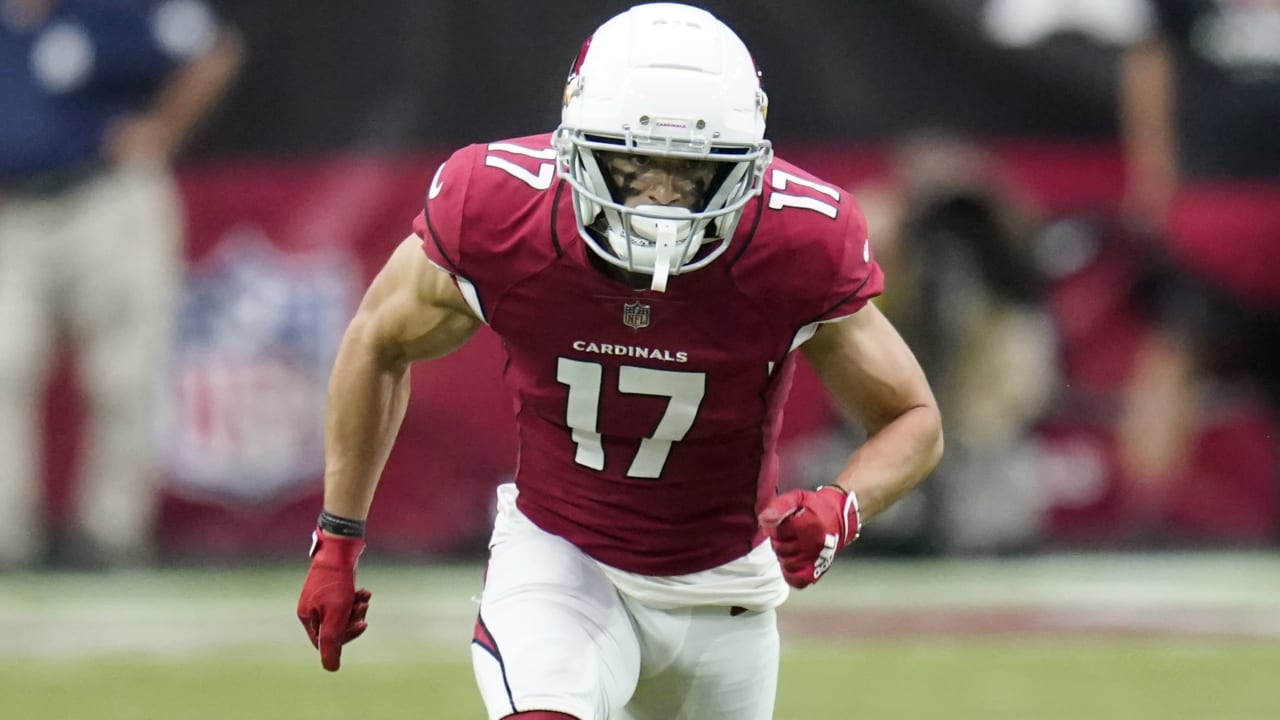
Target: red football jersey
{"x":648,"y":421}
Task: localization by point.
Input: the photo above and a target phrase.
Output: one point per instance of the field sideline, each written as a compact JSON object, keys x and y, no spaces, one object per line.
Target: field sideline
{"x":1087,"y":636}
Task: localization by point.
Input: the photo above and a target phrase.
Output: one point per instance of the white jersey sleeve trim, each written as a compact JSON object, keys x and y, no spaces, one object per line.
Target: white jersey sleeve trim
{"x":803,"y":335}
{"x":471,"y":296}
{"x":468,"y":290}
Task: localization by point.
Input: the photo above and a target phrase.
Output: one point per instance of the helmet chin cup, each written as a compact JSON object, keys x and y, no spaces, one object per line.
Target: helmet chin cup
{"x":647,"y":219}
{"x":660,"y":241}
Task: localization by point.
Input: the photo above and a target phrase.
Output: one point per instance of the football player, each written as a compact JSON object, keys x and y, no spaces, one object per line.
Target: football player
{"x":654,"y":274}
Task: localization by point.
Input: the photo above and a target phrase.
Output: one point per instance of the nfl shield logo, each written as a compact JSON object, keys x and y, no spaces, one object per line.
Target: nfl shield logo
{"x":635,"y":315}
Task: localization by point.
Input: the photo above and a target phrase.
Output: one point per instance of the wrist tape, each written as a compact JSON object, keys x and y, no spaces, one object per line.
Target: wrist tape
{"x":342,"y":527}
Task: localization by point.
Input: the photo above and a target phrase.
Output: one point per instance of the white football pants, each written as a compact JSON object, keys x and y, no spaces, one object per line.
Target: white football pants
{"x":555,"y":634}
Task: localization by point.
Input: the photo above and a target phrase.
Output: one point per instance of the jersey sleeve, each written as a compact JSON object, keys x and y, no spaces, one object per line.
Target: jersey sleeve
{"x":485,"y":218}
{"x":856,"y":277}
{"x":440,"y":222}
{"x":807,"y":257}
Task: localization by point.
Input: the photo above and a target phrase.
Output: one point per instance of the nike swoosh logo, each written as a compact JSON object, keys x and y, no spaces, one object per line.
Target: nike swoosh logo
{"x":866,"y":250}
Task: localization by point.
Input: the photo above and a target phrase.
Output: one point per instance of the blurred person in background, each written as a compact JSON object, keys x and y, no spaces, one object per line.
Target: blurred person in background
{"x":96,"y":98}
{"x":651,"y":270}
{"x":957,"y":238}
{"x":1200,"y":111}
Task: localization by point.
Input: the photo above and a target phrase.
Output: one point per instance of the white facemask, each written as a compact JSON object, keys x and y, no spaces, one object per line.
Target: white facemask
{"x":660,"y":239}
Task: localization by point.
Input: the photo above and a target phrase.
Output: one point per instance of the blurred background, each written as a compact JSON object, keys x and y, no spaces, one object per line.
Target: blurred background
{"x":1075,"y":203}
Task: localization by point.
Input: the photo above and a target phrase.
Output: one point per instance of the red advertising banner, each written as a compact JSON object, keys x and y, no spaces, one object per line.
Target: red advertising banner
{"x":279,"y":254}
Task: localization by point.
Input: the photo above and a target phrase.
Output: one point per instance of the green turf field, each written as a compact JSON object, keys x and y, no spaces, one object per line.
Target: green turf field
{"x":1094,"y":638}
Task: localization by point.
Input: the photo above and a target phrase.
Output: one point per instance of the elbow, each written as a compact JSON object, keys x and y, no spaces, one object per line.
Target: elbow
{"x":933,"y":444}
{"x":230,"y":48}
{"x":362,"y":340}
{"x":221,"y":63}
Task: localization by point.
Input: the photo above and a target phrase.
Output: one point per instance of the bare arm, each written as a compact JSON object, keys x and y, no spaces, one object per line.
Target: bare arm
{"x":874,"y":376}
{"x":185,"y":98}
{"x":411,"y":311}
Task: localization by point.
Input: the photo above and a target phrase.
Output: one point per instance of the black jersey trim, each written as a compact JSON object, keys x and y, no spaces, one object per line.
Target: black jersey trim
{"x":426,"y":215}
{"x":484,"y":640}
{"x":751,"y":234}
{"x":555,"y":214}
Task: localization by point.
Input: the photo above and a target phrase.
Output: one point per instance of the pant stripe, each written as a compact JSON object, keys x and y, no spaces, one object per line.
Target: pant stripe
{"x":484,"y":639}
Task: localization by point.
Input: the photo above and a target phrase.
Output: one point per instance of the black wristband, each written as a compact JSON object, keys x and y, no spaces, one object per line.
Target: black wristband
{"x":343,"y":527}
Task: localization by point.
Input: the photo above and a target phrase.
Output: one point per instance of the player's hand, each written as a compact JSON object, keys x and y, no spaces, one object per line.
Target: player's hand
{"x":331,"y":609}
{"x":806,"y":528}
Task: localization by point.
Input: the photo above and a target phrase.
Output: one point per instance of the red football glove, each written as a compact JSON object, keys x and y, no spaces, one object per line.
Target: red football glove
{"x":807,"y":527}
{"x":330,"y":608}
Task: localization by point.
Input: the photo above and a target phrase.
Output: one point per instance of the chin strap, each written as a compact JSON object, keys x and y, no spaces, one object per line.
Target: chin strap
{"x":664,"y":248}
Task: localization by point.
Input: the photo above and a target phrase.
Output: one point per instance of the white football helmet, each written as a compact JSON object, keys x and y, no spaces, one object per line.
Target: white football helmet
{"x":673,"y":81}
